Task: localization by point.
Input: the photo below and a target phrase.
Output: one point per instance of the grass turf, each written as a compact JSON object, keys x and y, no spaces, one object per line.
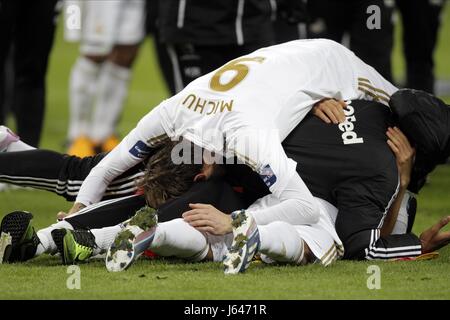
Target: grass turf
{"x":45,"y":278}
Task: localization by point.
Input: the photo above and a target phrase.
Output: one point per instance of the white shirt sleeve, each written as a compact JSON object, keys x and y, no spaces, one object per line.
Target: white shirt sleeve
{"x":346,"y":77}
{"x":355,"y":79}
{"x":133,"y":149}
{"x":265,"y":154}
{"x":297,"y":206}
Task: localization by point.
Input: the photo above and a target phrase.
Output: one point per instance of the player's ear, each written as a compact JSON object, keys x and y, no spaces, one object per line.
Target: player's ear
{"x":205,"y":173}
{"x":200,"y":177}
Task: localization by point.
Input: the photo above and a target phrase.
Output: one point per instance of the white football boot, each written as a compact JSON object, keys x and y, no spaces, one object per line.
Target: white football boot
{"x":245,"y":244}
{"x":6,"y":138}
{"x":133,"y":240}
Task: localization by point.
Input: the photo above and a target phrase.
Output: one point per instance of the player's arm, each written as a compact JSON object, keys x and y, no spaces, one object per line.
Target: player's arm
{"x":366,"y":83}
{"x":133,"y":149}
{"x":361,"y":206}
{"x":404,"y":155}
{"x":296,"y":203}
{"x":77,"y":206}
{"x":346,"y":76}
{"x":355,"y":226}
{"x":293,"y":207}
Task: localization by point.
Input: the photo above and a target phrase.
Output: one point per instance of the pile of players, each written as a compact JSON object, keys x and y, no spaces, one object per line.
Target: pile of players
{"x":297,"y":153}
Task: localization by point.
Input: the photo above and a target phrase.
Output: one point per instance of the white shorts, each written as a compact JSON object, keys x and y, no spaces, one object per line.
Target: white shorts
{"x":105,"y":23}
{"x":326,"y":247}
{"x":401,"y":225}
{"x":321,"y":237}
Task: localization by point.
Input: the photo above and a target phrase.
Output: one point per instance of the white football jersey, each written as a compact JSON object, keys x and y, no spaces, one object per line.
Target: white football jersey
{"x":246,"y":108}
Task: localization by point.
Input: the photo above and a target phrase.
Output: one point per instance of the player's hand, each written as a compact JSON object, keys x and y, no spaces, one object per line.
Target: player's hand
{"x":432,"y":239}
{"x":330,"y":110}
{"x":75,"y":208}
{"x":404,"y":154}
{"x":206,"y":218}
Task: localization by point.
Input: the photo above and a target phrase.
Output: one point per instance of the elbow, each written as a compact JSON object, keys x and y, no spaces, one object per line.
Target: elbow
{"x":314,"y":212}
{"x":310,"y":212}
{"x":103,"y":173}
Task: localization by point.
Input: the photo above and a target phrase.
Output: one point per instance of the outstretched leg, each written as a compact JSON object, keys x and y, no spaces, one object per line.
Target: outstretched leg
{"x":173,"y":238}
{"x":26,"y":243}
{"x":281,"y":242}
{"x":57,"y":172}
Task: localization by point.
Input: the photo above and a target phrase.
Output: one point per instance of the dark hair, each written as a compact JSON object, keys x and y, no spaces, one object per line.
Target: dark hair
{"x":164,"y":180}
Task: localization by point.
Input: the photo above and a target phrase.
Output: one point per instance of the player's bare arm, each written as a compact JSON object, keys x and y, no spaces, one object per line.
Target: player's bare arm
{"x":74,"y":209}
{"x":404,"y":154}
{"x":206,"y":218}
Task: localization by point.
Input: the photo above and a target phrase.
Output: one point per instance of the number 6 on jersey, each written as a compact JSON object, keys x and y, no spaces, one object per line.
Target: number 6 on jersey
{"x":236,"y":65}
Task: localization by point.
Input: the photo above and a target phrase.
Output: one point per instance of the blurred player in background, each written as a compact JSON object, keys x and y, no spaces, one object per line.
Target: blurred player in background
{"x":26,"y":28}
{"x":110,"y":35}
{"x":368,"y":23}
{"x":421,"y":21}
{"x":196,"y":37}
{"x":291,"y":20}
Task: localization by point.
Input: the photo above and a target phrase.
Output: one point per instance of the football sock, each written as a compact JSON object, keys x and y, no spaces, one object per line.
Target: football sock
{"x":112,"y":90}
{"x":104,"y":237}
{"x":177,"y":238}
{"x":281,"y":242}
{"x":219,"y":245}
{"x":83,"y":81}
{"x":403,"y":218}
{"x":47,"y":244}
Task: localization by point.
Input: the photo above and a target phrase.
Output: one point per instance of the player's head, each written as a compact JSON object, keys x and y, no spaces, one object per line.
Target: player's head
{"x":167,"y":178}
{"x":425,"y":120}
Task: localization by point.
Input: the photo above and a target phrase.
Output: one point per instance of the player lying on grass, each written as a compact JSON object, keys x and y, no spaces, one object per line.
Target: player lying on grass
{"x":361,"y":179}
{"x":256,"y":101}
{"x":174,"y":238}
{"x":163,"y":181}
{"x":355,"y":179}
{"x":376,"y":116}
{"x":245,"y":109}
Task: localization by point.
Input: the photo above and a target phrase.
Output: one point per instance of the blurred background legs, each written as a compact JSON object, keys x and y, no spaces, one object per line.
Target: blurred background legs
{"x":27,"y":27}
{"x":110,"y":37}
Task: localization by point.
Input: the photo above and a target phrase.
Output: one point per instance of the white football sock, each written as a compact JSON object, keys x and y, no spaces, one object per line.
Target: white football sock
{"x":19,"y":146}
{"x":83,"y":82}
{"x":219,"y":245}
{"x":401,"y":225}
{"x":47,"y":244}
{"x":104,"y":237}
{"x":178,"y":239}
{"x":111,"y":94}
{"x":281,"y":242}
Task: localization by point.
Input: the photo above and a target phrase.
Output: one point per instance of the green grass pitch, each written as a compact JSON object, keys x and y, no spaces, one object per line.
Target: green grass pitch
{"x":45,"y":278}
